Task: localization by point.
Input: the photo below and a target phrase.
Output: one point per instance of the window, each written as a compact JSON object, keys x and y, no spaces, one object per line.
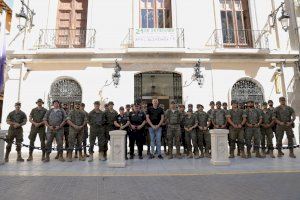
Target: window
{"x":71,"y":23}
{"x":155,"y":14}
{"x":235,"y":21}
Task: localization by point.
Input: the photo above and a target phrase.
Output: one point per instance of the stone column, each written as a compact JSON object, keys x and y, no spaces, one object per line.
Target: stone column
{"x":117,"y":149}
{"x":219,"y":147}
{"x":2,"y":144}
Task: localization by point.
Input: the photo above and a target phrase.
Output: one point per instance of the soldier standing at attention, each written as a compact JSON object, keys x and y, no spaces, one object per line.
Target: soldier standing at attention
{"x":225,"y":106}
{"x":202,"y":137}
{"x":285,"y":118}
{"x":122,"y":123}
{"x":55,"y":119}
{"x":38,"y":127}
{"x":96,"y":120}
{"x":253,"y":122}
{"x":77,"y":119}
{"x":164,"y":131}
{"x":173,"y":119}
{"x":66,"y":128}
{"x":209,"y":112}
{"x":190,"y":123}
{"x":155,"y":119}
{"x":271,"y":107}
{"x":218,"y":117}
{"x":85,"y":132}
{"x":15,"y":119}
{"x":110,"y":116}
{"x":236,"y":118}
{"x":128,"y":109}
{"x":181,"y":109}
{"x":137,"y":120}
{"x":266,"y":130}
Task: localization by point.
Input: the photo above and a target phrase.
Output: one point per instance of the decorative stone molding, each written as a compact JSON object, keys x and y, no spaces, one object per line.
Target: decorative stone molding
{"x":219,"y":147}
{"x":117,"y":149}
{"x":2,"y":144}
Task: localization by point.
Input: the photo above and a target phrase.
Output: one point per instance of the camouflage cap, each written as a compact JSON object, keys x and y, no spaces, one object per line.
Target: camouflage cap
{"x":282,"y":99}
{"x":218,"y":103}
{"x":212,"y":103}
{"x":97,"y":103}
{"x":264,"y":103}
{"x":234,"y":102}
{"x":199,"y":105}
{"x":40,"y":101}
{"x":17,"y":104}
{"x":270,"y":101}
{"x":110,"y":103}
{"x":55,"y":101}
{"x":121,"y":108}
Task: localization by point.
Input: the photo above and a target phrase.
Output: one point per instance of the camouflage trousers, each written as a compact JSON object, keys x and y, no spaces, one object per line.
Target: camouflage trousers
{"x":14,"y":133}
{"x":188,"y":139}
{"x":173,"y":133}
{"x":255,"y":134}
{"x":98,"y":132}
{"x":236,"y":135}
{"x":198,"y":138}
{"x":289,"y":134}
{"x":75,"y":137}
{"x":58,"y":135}
{"x":66,"y":136}
{"x":267,"y":134}
{"x":42,"y":135}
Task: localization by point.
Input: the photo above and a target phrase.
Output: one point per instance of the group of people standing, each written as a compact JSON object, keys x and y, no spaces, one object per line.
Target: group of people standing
{"x":251,"y":125}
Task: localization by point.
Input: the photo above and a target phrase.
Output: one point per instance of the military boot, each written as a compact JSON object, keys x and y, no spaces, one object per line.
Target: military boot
{"x":81,"y":157}
{"x":6,"y":159}
{"x":47,"y":159}
{"x":197,"y":155}
{"x":101,"y":156}
{"x":248,"y":153}
{"x":19,"y":158}
{"x":257,"y":154}
{"x":243,"y":155}
{"x":60,"y":157}
{"x":178,"y":154}
{"x":263,"y":153}
{"x":69,"y":156}
{"x":239,"y":153}
{"x":202,"y":154}
{"x":76,"y":154}
{"x":170,"y":153}
{"x":189,"y":154}
{"x":292,"y":155}
{"x":271,"y":154}
{"x":57,"y":156}
{"x":207,"y":154}
{"x":91,"y":158}
{"x":105,"y":155}
{"x":280,"y":153}
{"x":43,"y":155}
{"x":231,"y":153}
{"x":30,"y":156}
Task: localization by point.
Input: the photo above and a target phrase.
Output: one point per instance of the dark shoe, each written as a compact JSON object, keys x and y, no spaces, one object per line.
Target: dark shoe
{"x":140,"y":157}
{"x":151,"y":156}
{"x":160,"y":157}
{"x":131,"y":157}
{"x":126,"y":157}
{"x":292,"y":155}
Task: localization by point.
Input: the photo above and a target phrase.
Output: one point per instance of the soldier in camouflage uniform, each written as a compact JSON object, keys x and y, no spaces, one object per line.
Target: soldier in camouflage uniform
{"x":55,"y":119}
{"x":190,"y":123}
{"x":285,"y":118}
{"x":96,"y":120}
{"x":110,"y":116}
{"x":202,"y":135}
{"x":209,"y":112}
{"x":38,"y":127}
{"x":77,"y":120}
{"x":236,"y":119}
{"x":15,"y":119}
{"x":66,"y":108}
{"x":173,"y":119}
{"x":218,"y":117}
{"x":164,"y":140}
{"x":253,"y":122}
{"x":266,"y":130}
{"x":181,"y":109}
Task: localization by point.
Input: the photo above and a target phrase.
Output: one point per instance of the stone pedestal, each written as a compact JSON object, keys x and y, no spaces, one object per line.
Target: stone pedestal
{"x":117,"y":149}
{"x":219,"y":147}
{"x":2,"y":144}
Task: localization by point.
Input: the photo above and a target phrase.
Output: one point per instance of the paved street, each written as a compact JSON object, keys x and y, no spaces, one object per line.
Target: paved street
{"x":252,"y":179}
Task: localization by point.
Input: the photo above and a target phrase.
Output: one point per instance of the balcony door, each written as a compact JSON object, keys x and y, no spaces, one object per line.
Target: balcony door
{"x":71,"y":24}
{"x":236,"y":27}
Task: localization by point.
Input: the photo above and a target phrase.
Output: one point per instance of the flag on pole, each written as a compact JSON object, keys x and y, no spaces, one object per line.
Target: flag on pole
{"x":2,"y":49}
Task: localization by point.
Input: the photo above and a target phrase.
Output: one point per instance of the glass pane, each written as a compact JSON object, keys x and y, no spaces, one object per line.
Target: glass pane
{"x":143,"y":3}
{"x":241,"y":28}
{"x":144,"y":18}
{"x":157,"y":85}
{"x":150,"y":18}
{"x":224,"y":26}
{"x":168,"y":20}
{"x":168,"y":4}
{"x":230,"y":27}
{"x":159,"y":4}
{"x":150,"y":4}
{"x":160,"y":18}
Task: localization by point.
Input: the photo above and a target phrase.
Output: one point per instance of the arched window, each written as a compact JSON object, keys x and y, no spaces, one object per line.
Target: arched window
{"x":246,"y":89}
{"x":155,"y":14}
{"x":66,"y":91}
{"x":71,"y":23}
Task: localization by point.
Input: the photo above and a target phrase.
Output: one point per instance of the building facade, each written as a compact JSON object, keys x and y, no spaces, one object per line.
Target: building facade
{"x":71,"y":50}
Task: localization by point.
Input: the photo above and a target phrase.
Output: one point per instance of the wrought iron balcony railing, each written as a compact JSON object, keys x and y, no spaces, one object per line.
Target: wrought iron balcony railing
{"x":154,"y":38}
{"x":67,"y":38}
{"x":245,"y":38}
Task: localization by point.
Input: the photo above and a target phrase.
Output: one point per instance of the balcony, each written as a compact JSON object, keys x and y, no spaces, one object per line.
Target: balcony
{"x":242,"y":39}
{"x":66,"y":38}
{"x":154,"y":38}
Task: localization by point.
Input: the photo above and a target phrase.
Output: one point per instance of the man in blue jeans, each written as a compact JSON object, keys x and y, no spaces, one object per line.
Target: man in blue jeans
{"x":155,"y":118}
